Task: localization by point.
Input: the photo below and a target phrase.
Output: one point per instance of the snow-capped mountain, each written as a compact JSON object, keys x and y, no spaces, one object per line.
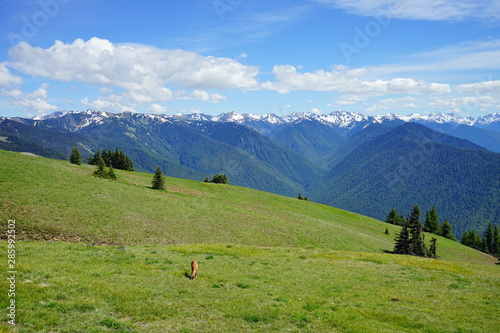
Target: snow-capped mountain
{"x":341,"y":119}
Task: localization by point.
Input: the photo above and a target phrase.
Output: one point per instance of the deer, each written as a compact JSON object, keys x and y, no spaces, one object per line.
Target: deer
{"x":194,"y":269}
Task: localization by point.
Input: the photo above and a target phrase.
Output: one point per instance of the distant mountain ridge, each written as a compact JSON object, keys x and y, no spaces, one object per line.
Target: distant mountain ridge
{"x":342,"y":158}
{"x":343,"y":119}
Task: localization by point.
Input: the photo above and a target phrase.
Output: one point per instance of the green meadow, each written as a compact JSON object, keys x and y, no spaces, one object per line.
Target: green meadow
{"x":95,"y":255}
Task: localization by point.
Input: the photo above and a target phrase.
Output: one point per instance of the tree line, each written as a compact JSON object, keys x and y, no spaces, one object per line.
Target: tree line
{"x":431,"y":223}
{"x":488,"y":242}
{"x":410,"y":239}
{"x":116,"y":159}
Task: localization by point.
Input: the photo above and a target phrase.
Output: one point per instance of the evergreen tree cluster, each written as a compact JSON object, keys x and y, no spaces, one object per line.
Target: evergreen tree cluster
{"x":116,"y":159}
{"x":104,"y":172}
{"x":411,"y":239}
{"x":431,"y":223}
{"x":489,"y":242}
{"x":218,"y":179}
{"x":300,"y":197}
{"x":158,"y":182}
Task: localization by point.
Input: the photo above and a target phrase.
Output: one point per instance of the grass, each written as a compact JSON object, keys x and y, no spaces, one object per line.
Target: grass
{"x":97,"y":255}
{"x":65,"y":287}
{"x":55,"y":200}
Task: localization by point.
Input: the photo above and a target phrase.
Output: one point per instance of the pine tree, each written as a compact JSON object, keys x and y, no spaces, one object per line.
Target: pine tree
{"x":394,"y":218}
{"x":446,"y":230}
{"x":488,"y":239}
{"x":220,"y":179}
{"x":101,"y":169}
{"x":76,"y":157}
{"x":402,"y":245}
{"x":93,"y":160}
{"x":417,"y":244}
{"x":111,"y":173}
{"x":432,"y":249}
{"x":496,"y":242}
{"x":432,"y":221}
{"x":158,"y":182}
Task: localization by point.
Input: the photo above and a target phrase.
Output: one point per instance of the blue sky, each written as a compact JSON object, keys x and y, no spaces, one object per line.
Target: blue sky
{"x":215,"y":56}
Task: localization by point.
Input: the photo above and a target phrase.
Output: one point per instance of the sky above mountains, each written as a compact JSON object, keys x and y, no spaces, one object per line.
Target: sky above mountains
{"x":215,"y":56}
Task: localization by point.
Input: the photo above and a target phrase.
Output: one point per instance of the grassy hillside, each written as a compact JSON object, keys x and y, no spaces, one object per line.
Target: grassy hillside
{"x":65,"y":287}
{"x":55,"y":200}
{"x":118,"y":258}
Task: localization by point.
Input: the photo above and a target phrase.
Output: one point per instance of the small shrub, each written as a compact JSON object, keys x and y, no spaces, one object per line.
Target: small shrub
{"x":151,"y":261}
{"x":243,"y":285}
{"x":252,"y":318}
{"x":311,"y":307}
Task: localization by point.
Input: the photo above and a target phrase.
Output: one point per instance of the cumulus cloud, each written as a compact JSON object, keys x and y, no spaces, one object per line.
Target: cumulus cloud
{"x":142,"y":72}
{"x":429,"y":10}
{"x":132,"y":67}
{"x":202,"y":95}
{"x":35,"y":101}
{"x":288,"y":79}
{"x":157,"y":108}
{"x":480,"y":87}
{"x":6,"y":78}
{"x":465,"y":103}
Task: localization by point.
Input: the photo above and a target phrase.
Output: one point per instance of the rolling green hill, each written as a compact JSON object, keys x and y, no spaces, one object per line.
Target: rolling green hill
{"x":97,"y":255}
{"x":56,"y":200}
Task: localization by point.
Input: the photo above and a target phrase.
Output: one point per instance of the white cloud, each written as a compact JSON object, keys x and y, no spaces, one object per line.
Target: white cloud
{"x":35,"y":101}
{"x":429,"y":10}
{"x":288,"y":79}
{"x":113,"y":103}
{"x":480,"y":87}
{"x":202,"y":95}
{"x":157,"y":108}
{"x":6,"y":78}
{"x":142,"y":71}
{"x":472,"y":55}
{"x":465,"y":103}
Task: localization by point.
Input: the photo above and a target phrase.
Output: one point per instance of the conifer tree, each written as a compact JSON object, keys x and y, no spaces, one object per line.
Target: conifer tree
{"x":402,"y":245}
{"x":394,"y":218}
{"x":76,"y":157}
{"x":158,"y":182}
{"x":431,"y":221}
{"x":93,"y":160}
{"x":417,"y":244}
{"x":220,"y":179}
{"x":432,"y":249}
{"x":446,"y":230}
{"x":496,"y":242}
{"x":101,"y":169}
{"x":488,"y":239}
{"x":111,"y":173}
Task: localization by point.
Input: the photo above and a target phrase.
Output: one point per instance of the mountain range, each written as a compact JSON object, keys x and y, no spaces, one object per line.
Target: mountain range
{"x":367,"y":164}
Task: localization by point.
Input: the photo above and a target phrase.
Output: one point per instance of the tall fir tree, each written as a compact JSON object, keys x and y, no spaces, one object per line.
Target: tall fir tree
{"x":496,"y":241}
{"x":417,"y":244}
{"x":394,"y":218}
{"x":158,"y":182}
{"x":488,"y":239}
{"x":76,"y":157}
{"x":433,"y":248}
{"x":431,"y":221}
{"x":402,"y":245}
{"x":447,"y":230}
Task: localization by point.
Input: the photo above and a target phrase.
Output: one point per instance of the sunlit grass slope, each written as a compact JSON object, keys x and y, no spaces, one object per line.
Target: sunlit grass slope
{"x":64,"y":287}
{"x":56,"y":200}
